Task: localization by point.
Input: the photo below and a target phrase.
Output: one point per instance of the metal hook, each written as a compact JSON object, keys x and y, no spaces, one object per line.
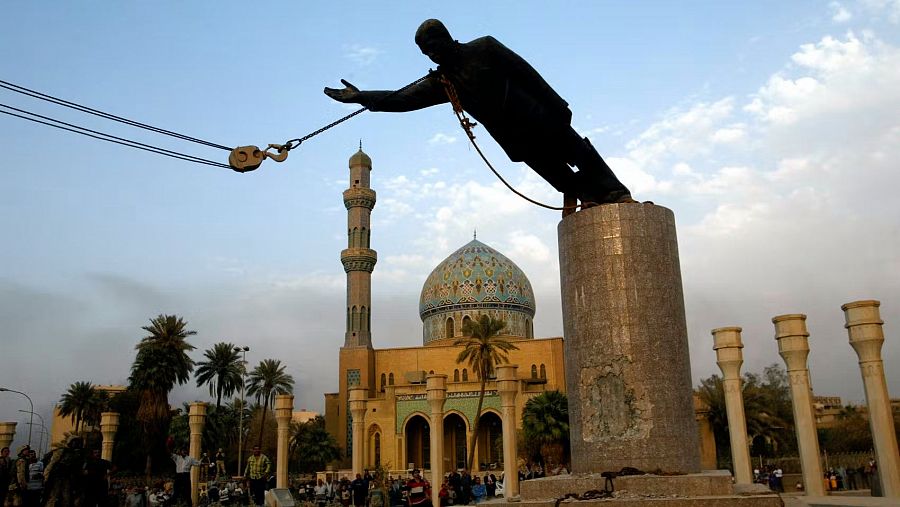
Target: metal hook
{"x":248,"y":158}
{"x":282,"y":152}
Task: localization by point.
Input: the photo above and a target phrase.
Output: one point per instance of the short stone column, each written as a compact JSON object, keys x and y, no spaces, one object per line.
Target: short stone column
{"x":358,"y":413}
{"x":196,"y":421}
{"x":628,"y":368}
{"x":7,"y":434}
{"x":436,"y":394}
{"x":284,"y":410}
{"x":705,"y":434}
{"x":866,"y":337}
{"x":508,"y":387}
{"x":793,"y":346}
{"x":727,"y":344}
{"x":109,"y":424}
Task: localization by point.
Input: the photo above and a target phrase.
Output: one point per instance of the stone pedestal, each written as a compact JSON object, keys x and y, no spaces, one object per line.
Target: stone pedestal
{"x":358,"y":413}
{"x":196,"y":421}
{"x":793,"y":345}
{"x":284,"y":409}
{"x":866,"y":337}
{"x":727,"y":344}
{"x":628,"y":375}
{"x":7,"y":434}
{"x":436,"y":394}
{"x":109,"y":424}
{"x":508,"y":387}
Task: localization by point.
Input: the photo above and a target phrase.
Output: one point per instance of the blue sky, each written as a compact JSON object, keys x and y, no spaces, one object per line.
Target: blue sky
{"x":770,"y":128}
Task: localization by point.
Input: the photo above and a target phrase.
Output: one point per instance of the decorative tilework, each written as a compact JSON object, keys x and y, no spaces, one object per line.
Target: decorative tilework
{"x":353,"y":379}
{"x":464,"y":405}
{"x":476,"y":274}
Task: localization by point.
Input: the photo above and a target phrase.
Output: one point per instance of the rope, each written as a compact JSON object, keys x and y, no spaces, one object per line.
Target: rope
{"x":108,"y":137}
{"x":78,"y":107}
{"x":467,"y":125}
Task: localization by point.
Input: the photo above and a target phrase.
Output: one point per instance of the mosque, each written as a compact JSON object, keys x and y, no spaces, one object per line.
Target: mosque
{"x":474,"y":280}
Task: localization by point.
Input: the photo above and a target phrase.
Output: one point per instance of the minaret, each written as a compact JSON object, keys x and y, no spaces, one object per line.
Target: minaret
{"x":358,"y":259}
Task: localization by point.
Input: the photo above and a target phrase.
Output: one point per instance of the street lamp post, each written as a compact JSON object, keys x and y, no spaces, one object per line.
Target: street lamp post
{"x":31,"y":419}
{"x":243,"y":350}
{"x":43,"y":429}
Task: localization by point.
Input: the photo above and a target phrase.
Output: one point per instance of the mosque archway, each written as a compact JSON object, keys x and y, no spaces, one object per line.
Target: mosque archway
{"x":455,"y":442}
{"x":490,"y":440}
{"x":417,"y":434}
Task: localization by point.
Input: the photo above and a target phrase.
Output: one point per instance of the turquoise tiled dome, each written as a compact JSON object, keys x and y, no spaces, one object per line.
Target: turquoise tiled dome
{"x":478,"y":277}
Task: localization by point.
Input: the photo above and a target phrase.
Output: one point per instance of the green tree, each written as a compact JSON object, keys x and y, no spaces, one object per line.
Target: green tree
{"x":161,"y":363}
{"x":312,"y":446}
{"x":767,"y":411}
{"x":83,"y":403}
{"x":545,"y":424}
{"x":267,"y":380}
{"x":483,"y":348}
{"x":221,"y":371}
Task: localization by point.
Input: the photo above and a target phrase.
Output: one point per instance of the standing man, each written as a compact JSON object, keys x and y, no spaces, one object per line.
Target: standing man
{"x":96,"y":479}
{"x":220,"y":462}
{"x":360,"y":490}
{"x":183,"y":464}
{"x":35,"y":481}
{"x":5,"y":474}
{"x":259,"y":466}
{"x":526,"y":117}
{"x":18,"y":485}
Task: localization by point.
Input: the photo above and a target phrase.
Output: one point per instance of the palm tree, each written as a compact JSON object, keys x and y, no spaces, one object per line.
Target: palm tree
{"x":83,"y":403}
{"x":265,"y":381}
{"x":221,"y":371}
{"x":161,"y":364}
{"x":545,"y":421}
{"x":312,"y":445}
{"x":483,"y":348}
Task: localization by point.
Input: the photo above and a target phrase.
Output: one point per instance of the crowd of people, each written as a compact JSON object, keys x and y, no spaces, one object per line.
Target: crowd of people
{"x":835,"y":478}
{"x":71,"y":476}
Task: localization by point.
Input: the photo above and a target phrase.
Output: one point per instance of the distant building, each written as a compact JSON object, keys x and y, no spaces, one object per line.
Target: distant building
{"x":60,"y":425}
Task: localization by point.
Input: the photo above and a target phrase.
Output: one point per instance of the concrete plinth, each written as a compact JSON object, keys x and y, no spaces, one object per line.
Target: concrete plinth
{"x":711,"y":488}
{"x":284,"y":408}
{"x":196,"y":421}
{"x":109,"y":424}
{"x":7,"y":434}
{"x":866,"y":337}
{"x":628,"y":375}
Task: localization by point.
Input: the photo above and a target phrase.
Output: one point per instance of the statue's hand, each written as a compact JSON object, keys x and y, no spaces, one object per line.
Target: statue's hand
{"x":348,"y":94}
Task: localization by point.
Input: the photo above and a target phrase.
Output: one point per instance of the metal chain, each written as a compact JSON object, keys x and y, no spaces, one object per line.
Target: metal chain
{"x":293,"y":143}
{"x":467,"y":125}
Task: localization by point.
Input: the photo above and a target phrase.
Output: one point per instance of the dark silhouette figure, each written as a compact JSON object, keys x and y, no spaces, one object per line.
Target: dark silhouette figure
{"x":499,"y":89}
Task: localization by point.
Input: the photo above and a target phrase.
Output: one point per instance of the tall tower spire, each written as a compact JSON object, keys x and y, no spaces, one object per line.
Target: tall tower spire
{"x":358,"y":259}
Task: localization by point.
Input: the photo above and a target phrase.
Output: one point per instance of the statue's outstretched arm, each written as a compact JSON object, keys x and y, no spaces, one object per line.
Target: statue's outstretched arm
{"x":419,"y":96}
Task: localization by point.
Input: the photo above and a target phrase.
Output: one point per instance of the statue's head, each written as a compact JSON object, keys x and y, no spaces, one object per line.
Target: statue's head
{"x":434,"y":40}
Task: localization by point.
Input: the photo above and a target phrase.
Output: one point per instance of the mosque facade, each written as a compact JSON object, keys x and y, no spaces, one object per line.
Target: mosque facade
{"x":474,"y":280}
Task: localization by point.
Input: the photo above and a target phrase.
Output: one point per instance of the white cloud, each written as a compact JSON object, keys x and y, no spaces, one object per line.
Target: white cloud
{"x":431,"y":171}
{"x":441,"y":138}
{"x":361,"y":55}
{"x":839,"y":13}
{"x":888,"y":8}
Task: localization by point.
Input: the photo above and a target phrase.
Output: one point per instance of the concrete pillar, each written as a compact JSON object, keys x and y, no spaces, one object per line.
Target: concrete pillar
{"x":508,"y":387}
{"x":7,"y":434}
{"x":866,"y":337}
{"x":284,"y":409}
{"x":358,"y":413}
{"x":196,"y":421}
{"x":793,"y":346}
{"x":705,"y":434}
{"x":109,"y":424}
{"x":727,"y":344}
{"x":436,"y":394}
{"x":628,"y":368}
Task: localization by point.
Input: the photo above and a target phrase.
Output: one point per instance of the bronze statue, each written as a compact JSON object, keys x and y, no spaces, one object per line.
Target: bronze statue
{"x":498,"y":88}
